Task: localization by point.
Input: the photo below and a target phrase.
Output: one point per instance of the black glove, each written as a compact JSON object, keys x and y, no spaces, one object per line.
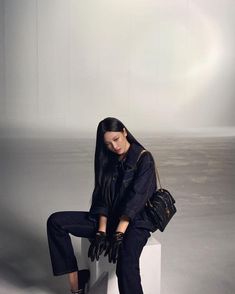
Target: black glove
{"x":114,"y":246}
{"x":98,"y":245}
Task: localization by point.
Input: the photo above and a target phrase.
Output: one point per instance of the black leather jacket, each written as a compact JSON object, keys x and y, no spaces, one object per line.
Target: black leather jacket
{"x":136,"y":184}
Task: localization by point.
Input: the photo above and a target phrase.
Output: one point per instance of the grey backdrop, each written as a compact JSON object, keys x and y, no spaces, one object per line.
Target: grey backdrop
{"x":67,"y":64}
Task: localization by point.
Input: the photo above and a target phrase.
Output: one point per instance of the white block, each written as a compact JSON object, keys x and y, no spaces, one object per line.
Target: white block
{"x":150,"y":268}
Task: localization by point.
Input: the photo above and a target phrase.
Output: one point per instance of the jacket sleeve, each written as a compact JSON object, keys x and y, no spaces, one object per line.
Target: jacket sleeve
{"x":142,"y":188}
{"x":98,"y":206}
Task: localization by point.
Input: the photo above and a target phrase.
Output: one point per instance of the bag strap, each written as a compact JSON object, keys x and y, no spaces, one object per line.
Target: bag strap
{"x":156,"y":169}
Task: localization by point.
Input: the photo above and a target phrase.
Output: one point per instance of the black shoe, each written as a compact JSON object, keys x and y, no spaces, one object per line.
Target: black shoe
{"x":78,"y":291}
{"x":83,"y":278}
{"x":81,"y":291}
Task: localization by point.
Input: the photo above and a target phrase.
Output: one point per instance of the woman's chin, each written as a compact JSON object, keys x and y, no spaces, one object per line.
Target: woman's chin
{"x":119,"y":152}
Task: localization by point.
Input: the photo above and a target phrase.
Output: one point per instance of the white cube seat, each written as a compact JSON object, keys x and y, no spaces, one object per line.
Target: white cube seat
{"x":150,"y":269}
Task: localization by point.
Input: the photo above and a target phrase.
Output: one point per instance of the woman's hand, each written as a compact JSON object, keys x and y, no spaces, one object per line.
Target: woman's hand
{"x":98,"y":245}
{"x":114,"y":246}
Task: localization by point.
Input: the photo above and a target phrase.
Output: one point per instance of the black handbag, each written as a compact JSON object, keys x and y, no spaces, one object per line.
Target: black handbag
{"x":160,"y":208}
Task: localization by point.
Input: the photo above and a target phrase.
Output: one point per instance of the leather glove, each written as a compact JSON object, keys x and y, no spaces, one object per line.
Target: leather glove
{"x":97,"y":246}
{"x":114,"y":247}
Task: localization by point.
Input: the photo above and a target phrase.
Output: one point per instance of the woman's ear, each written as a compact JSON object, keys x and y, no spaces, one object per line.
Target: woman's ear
{"x":124,"y":132}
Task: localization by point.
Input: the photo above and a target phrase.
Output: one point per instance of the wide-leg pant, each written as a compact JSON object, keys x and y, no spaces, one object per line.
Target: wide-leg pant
{"x":61,"y":224}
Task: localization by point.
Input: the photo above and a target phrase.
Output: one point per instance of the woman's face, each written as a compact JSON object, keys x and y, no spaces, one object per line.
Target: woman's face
{"x":117,"y":142}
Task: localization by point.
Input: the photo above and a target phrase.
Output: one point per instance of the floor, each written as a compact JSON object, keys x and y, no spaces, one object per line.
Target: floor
{"x":40,"y":176}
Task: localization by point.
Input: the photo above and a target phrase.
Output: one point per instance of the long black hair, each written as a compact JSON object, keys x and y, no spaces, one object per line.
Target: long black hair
{"x":105,"y":159}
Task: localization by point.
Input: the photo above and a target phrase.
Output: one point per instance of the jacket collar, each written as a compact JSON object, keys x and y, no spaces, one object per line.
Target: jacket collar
{"x":132,"y":155}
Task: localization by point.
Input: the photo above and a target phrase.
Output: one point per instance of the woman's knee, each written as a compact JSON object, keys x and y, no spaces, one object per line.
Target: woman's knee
{"x":53,"y":219}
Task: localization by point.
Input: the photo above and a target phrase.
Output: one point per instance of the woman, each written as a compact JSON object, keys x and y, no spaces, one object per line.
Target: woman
{"x":117,"y":223}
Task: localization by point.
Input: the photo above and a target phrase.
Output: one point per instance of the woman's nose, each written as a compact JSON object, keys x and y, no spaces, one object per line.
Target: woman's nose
{"x":115,"y":146}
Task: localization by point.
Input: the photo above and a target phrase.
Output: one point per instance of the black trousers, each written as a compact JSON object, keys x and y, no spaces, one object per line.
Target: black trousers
{"x":61,"y":224}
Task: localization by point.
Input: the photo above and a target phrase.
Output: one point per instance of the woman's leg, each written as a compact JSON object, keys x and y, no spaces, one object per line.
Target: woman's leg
{"x":73,"y":281}
{"x":127,"y":270}
{"x":59,"y":226}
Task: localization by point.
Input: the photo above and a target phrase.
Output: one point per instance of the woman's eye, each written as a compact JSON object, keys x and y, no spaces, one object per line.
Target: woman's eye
{"x":116,"y":139}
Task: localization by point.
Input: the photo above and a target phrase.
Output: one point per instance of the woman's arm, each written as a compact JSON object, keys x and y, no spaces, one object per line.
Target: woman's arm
{"x":123,"y":224}
{"x":98,"y":207}
{"x":102,"y":223}
{"x":142,"y":188}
